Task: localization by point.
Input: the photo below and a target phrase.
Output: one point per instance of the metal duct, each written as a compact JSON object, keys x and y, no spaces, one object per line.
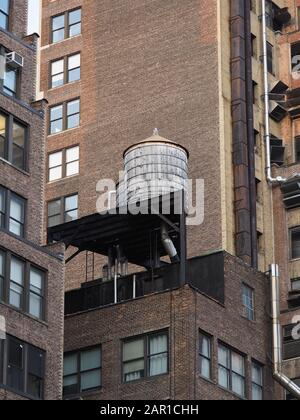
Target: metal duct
{"x":168,"y":244}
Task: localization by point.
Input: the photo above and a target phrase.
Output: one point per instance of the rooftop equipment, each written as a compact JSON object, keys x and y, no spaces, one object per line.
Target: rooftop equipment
{"x":152,"y":168}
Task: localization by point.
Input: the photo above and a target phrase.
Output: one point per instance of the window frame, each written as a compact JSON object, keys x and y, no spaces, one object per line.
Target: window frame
{"x":65,"y":116}
{"x":253,"y":383}
{"x":202,"y":356}
{"x":147,"y":356}
{"x":9,"y":140}
{"x":66,"y":26}
{"x":63,"y":211}
{"x":4,"y":366}
{"x":65,"y":72}
{"x":293,"y":230}
{"x":28,"y":265}
{"x":79,"y":372}
{"x":64,"y":163}
{"x":8,"y":196}
{"x":7,"y":15}
{"x":248,"y":309}
{"x":230,"y":371}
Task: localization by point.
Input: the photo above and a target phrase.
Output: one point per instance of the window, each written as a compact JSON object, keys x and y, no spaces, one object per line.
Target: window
{"x":59,"y":76}
{"x":295,"y":284}
{"x":205,"y":347}
{"x":248,"y":302}
{"x":295,"y":57}
{"x":4,"y":13}
{"x":74,"y":68}
{"x":82,"y":371}
{"x":10,"y":83}
{"x":58,"y":28}
{"x":295,"y":243}
{"x":297,"y":149}
{"x":66,"y":25}
{"x":65,"y":116}
{"x":232,"y":371}
{"x":36,"y":293}
{"x":13,"y":141}
{"x":291,"y":347}
{"x":22,"y":285}
{"x":57,"y":73}
{"x":23,"y":367}
{"x":63,"y":164}
{"x":146,"y":356}
{"x":16,"y":284}
{"x":74,"y":23}
{"x":270,"y":58}
{"x":73,"y":114}
{"x":56,"y":119}
{"x":257,"y":382}
{"x":63,"y":210}
{"x":12,"y":212}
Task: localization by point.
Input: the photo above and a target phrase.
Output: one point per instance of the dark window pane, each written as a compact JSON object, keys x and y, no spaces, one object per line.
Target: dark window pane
{"x":15,"y":373}
{"x":34,"y":386}
{"x":295,"y":244}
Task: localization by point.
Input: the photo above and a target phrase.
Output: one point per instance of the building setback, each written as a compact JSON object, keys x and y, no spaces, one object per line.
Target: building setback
{"x":31,"y":275}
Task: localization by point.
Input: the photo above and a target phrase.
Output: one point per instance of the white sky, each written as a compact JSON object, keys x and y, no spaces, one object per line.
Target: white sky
{"x":33,"y":16}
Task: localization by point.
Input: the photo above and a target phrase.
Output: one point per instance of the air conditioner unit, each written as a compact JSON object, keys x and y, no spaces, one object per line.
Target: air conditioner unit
{"x":15,"y":60}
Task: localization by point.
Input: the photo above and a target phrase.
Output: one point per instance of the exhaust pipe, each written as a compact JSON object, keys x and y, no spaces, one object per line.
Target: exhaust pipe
{"x":168,"y":244}
{"x":279,"y":376}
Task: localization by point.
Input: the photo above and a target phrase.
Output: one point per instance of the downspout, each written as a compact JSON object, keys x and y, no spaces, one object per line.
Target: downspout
{"x":280,"y":377}
{"x":168,"y":244}
{"x":270,"y":178}
{"x":250,"y":134}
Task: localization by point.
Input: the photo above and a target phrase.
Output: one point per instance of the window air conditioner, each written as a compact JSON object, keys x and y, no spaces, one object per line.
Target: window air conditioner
{"x":14,"y":60}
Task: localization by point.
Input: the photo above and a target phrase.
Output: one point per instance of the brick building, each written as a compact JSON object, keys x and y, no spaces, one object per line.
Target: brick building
{"x":111,"y":72}
{"x":31,"y":275}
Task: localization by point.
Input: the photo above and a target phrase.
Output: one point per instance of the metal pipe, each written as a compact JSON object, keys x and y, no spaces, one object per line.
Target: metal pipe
{"x":116,"y":282}
{"x":270,"y":178}
{"x":279,"y":376}
{"x":168,"y":243}
{"x":134,"y":286}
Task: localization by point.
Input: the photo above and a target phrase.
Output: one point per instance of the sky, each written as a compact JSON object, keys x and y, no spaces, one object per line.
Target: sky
{"x":33,"y":16}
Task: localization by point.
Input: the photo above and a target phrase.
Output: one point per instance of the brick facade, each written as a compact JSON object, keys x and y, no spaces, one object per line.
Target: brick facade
{"x":46,"y":335}
{"x":184,"y":312}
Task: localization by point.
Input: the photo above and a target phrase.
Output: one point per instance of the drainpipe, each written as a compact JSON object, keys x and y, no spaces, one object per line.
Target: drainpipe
{"x":270,"y":179}
{"x":280,"y":377}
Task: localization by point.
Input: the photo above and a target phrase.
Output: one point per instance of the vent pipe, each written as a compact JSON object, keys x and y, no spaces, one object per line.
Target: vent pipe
{"x":168,"y":244}
{"x":280,"y":377}
{"x":270,"y":178}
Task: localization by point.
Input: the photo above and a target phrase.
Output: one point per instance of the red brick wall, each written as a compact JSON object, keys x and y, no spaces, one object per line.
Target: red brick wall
{"x":142,"y":67}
